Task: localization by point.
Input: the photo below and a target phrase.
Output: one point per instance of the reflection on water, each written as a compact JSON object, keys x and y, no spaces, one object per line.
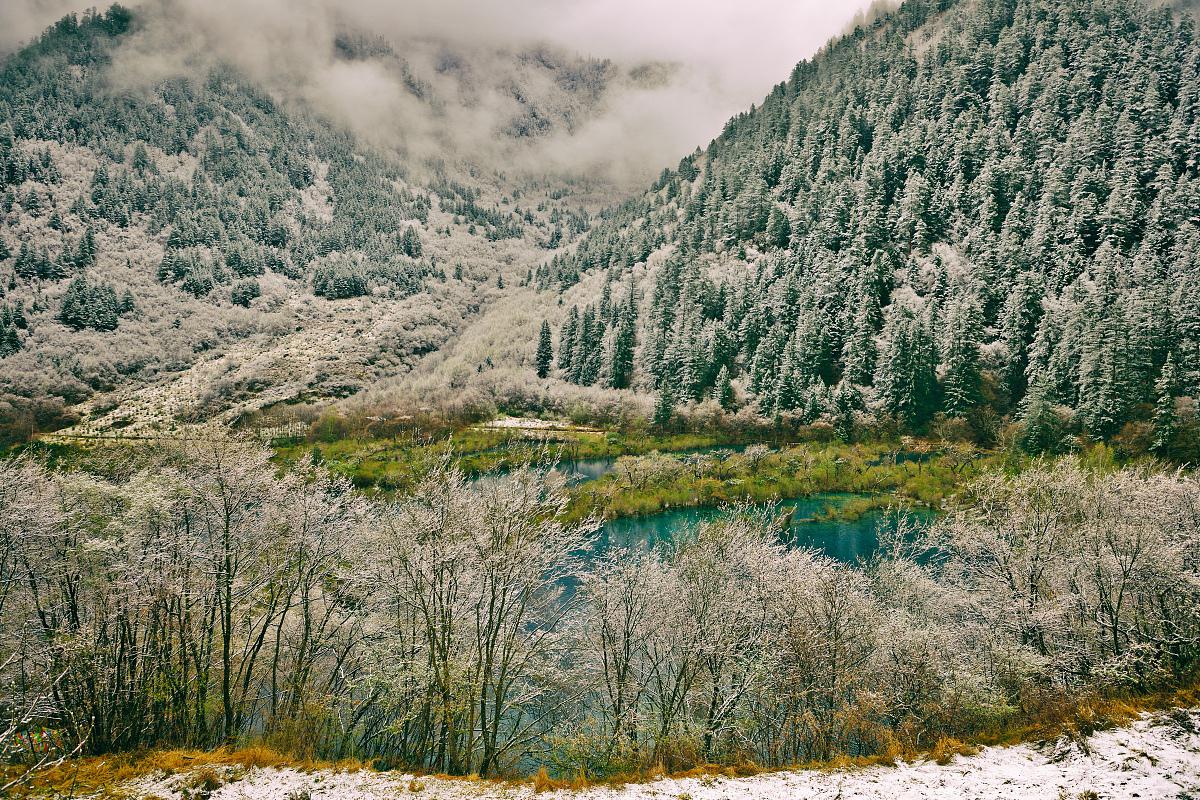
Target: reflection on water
{"x":576,"y":472}
{"x":582,"y":470}
{"x":845,"y":540}
{"x":586,"y":469}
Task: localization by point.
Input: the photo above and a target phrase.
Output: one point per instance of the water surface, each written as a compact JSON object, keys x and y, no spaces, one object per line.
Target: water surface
{"x":847,"y":540}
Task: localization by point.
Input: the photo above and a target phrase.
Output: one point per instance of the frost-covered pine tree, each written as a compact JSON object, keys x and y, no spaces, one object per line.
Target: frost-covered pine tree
{"x":566,"y":340}
{"x":1164,"y":423}
{"x":545,"y":351}
{"x":725,"y":394}
{"x":906,"y":378}
{"x":961,"y":372}
{"x":664,"y":408}
{"x":620,"y":371}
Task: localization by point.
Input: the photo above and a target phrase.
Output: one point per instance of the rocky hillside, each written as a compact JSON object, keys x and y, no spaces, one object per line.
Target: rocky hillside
{"x":196,"y":247}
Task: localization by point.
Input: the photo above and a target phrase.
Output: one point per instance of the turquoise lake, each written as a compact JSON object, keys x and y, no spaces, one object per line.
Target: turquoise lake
{"x":849,"y":541}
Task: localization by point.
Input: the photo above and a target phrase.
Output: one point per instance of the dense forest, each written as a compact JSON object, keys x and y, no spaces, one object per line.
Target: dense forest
{"x":234,"y":218}
{"x":986,"y":210}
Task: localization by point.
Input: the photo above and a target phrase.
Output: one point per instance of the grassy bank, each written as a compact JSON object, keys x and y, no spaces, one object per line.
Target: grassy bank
{"x":106,"y":777}
{"x":391,"y":464}
{"x":202,"y":772}
{"x":654,"y":473}
{"x":884,"y":474}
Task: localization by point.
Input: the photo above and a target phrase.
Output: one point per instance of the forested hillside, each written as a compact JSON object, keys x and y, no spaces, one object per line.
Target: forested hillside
{"x":979,"y":209}
{"x":147,"y":228}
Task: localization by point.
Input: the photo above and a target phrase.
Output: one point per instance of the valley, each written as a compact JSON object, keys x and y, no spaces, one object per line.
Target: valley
{"x":397,"y":401}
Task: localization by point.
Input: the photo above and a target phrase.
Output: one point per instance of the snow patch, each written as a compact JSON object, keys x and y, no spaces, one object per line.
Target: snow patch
{"x":1156,"y":757}
{"x":530,"y":424}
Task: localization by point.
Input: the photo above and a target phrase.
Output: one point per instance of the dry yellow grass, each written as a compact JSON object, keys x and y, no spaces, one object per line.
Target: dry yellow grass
{"x":542,"y":782}
{"x":1083,"y":715}
{"x":948,"y":747}
{"x":104,"y":776}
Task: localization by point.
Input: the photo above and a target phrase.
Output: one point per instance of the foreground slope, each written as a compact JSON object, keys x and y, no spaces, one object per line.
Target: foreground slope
{"x":1156,"y":757}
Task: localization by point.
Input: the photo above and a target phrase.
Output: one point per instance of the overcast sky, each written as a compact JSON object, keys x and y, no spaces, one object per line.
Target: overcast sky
{"x":729,"y":53}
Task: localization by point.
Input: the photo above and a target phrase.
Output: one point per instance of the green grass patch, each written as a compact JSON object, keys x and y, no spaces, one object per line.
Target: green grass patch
{"x":394,"y":464}
{"x":878,"y":474}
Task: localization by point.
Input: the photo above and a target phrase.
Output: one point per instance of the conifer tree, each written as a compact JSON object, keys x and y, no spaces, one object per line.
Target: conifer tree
{"x":846,"y":400}
{"x":141,"y":159}
{"x":87,"y":305}
{"x":725,"y":394}
{"x":905,"y":379}
{"x":244,"y":292}
{"x":1164,"y":423}
{"x":586,"y":356}
{"x":624,"y":342}
{"x":792,"y":382}
{"x":545,"y":351}
{"x":779,"y":230}
{"x":566,"y":341}
{"x":10,"y":341}
{"x":664,"y":409}
{"x":1018,"y":326}
{"x":1039,"y":423}
{"x":86,"y":257}
{"x":962,"y":376}
{"x":859,"y":352}
{"x":1105,"y":392}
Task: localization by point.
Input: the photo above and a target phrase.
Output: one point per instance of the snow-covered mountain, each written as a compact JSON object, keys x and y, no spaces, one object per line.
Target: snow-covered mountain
{"x":199,"y":245}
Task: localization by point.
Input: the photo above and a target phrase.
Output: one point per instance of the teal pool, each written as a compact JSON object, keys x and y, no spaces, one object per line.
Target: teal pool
{"x":845,"y":540}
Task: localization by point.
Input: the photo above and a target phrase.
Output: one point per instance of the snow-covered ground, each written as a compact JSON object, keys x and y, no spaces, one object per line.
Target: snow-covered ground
{"x":1156,"y":757}
{"x":531,"y":424}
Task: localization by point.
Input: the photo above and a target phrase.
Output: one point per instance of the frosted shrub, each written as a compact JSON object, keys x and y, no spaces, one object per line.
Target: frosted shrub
{"x":460,"y":628}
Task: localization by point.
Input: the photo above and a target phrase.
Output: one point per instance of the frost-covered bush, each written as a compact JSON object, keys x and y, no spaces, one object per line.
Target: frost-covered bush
{"x":461,"y":619}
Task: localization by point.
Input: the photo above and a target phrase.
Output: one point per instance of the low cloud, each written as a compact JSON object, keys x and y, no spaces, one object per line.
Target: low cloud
{"x":619,"y":88}
{"x":22,"y":20}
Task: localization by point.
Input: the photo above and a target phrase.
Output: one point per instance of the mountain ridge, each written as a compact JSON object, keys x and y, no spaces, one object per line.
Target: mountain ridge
{"x":225,"y":223}
{"x":963,"y":209}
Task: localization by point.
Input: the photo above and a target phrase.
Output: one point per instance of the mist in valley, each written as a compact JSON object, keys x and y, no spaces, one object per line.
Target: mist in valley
{"x":616,"y":90}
